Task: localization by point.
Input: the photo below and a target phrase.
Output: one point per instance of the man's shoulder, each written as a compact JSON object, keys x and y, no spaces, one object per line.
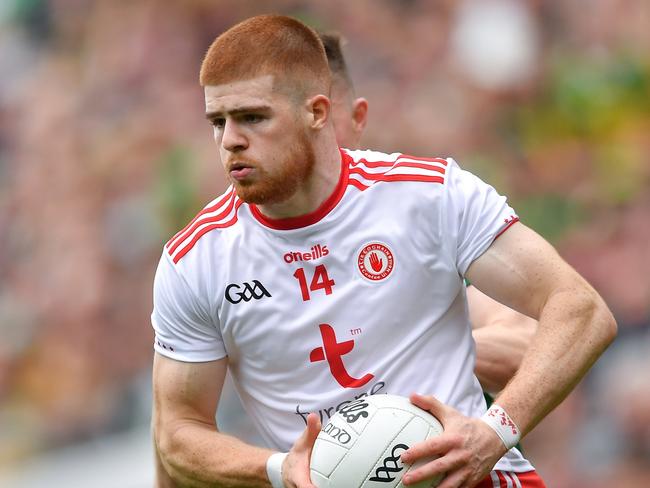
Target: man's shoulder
{"x":220,"y":213}
{"x":368,"y":167}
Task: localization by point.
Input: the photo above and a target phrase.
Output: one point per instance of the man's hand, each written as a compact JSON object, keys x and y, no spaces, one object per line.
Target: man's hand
{"x":468,"y":448}
{"x":295,"y":469}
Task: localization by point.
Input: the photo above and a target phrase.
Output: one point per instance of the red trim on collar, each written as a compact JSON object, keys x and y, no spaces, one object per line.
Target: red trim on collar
{"x":311,"y":218}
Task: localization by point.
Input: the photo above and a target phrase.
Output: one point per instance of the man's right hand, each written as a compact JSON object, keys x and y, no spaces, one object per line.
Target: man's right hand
{"x":295,"y":469}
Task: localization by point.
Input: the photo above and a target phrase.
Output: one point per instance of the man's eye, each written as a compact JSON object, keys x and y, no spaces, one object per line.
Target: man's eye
{"x":219,"y":123}
{"x":252,"y":118}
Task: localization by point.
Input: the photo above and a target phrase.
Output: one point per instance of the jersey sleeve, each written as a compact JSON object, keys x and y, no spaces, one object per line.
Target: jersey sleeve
{"x":183,"y":328}
{"x":475,"y":215}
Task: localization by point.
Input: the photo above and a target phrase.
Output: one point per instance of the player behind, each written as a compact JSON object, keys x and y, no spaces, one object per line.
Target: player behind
{"x":501,"y":334}
{"x":323,"y":274}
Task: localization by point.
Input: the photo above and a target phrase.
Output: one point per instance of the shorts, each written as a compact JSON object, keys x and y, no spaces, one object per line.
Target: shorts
{"x":509,"y":479}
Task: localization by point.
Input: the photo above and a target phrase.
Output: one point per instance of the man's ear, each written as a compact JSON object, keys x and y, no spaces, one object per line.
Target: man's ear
{"x":319,"y":107}
{"x":359,"y":114}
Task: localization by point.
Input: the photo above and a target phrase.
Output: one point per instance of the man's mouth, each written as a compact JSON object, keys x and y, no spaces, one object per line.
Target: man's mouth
{"x":239,"y":171}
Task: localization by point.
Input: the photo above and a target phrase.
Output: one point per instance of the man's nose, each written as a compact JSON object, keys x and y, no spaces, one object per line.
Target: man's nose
{"x":233,"y":138}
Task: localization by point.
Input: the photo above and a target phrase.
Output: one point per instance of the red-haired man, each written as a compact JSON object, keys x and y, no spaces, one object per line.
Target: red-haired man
{"x":323,"y":275}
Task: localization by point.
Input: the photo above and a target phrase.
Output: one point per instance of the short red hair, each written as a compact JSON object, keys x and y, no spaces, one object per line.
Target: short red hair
{"x":269,"y":44}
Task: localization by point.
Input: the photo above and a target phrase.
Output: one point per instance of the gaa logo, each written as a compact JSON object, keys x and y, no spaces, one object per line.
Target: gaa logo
{"x":375,"y":261}
{"x":236,"y":293}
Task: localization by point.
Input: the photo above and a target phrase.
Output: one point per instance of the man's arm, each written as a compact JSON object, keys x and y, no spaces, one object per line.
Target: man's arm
{"x":502,"y":336}
{"x":524,"y":272}
{"x":575,"y":326}
{"x":191,"y":449}
{"x":161,"y":477}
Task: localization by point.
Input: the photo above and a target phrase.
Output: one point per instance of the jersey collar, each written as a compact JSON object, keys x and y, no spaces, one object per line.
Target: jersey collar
{"x":311,"y":218}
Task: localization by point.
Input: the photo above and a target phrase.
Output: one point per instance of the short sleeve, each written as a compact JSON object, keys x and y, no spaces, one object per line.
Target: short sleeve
{"x":475,"y":215}
{"x":184,"y":330}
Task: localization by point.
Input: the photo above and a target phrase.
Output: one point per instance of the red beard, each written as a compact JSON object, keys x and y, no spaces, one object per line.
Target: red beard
{"x":282,"y":182}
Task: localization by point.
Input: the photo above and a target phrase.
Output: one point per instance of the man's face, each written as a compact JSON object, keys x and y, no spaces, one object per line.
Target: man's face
{"x":263,"y":140}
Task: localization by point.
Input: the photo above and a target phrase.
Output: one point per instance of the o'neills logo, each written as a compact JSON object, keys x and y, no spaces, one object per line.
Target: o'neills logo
{"x":315,"y":252}
{"x":375,"y":261}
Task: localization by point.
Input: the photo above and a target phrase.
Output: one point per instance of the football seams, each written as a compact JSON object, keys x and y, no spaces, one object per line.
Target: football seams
{"x":370,"y":449}
{"x":375,"y":443}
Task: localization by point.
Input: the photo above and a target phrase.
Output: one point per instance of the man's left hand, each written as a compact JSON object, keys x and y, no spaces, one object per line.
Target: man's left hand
{"x":466,"y":451}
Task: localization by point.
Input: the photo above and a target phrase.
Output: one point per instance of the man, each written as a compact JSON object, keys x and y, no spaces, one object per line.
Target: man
{"x":325,"y":274}
{"x":501,"y":334}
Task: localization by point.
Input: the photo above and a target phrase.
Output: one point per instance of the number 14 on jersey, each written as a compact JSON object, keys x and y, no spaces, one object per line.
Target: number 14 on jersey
{"x":320,"y":281}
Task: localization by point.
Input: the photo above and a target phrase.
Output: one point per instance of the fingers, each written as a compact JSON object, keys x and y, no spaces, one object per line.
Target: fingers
{"x":431,"y":404}
{"x":443,"y":447}
{"x":459,"y":452}
{"x":303,"y":481}
{"x":312,"y":430}
{"x":448,"y":463}
{"x":308,"y":436}
{"x":436,"y":446}
{"x":296,"y":464}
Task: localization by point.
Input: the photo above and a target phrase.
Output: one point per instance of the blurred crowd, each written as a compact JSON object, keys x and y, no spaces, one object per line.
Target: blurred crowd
{"x":105,"y":153}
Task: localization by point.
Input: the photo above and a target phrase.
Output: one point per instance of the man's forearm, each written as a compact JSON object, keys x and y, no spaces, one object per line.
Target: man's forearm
{"x":162,"y":478}
{"x":197,"y":455}
{"x":574,"y":329}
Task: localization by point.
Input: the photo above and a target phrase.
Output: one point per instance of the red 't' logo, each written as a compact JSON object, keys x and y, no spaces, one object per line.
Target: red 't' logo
{"x":332,"y":351}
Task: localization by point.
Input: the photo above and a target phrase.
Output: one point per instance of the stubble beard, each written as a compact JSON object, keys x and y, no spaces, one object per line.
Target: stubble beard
{"x":281,"y":184}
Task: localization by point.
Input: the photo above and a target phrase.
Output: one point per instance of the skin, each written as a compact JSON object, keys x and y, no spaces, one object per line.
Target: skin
{"x":349,"y":114}
{"x":263,"y":114}
{"x":520,"y":270}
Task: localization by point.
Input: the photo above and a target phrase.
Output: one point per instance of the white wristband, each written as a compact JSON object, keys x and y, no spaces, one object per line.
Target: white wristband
{"x":497,"y":418}
{"x":274,"y":469}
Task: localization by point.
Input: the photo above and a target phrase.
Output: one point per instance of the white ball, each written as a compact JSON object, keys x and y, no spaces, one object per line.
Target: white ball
{"x":361,"y":445}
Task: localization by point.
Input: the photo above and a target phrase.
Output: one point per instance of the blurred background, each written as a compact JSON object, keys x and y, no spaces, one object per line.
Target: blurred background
{"x":105,"y":153}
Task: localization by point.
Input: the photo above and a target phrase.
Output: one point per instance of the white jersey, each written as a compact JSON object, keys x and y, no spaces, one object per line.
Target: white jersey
{"x":363,"y":296}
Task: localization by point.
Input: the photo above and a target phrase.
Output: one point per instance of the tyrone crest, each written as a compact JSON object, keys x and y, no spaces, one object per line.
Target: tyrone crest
{"x":375,"y":261}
